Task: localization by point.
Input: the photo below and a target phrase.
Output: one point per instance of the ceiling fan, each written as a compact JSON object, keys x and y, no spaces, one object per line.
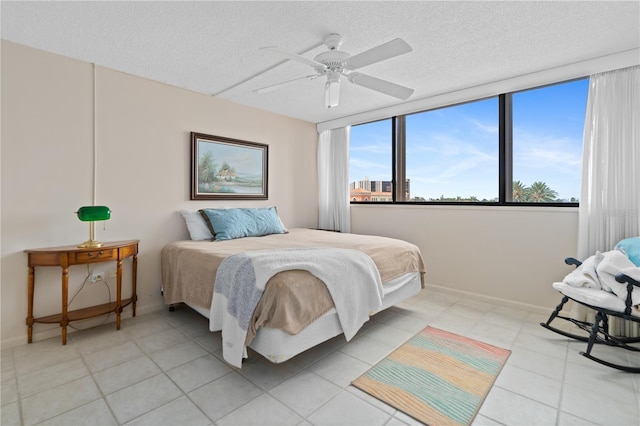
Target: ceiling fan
{"x":335,"y":64}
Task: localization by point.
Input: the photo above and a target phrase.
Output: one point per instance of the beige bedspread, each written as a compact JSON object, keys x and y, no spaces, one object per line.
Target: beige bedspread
{"x":293,"y":299}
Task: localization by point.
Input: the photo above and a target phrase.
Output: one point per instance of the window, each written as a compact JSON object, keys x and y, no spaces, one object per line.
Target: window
{"x":517,"y":148}
{"x":548,"y":123}
{"x":370,"y":162}
{"x":452,"y":153}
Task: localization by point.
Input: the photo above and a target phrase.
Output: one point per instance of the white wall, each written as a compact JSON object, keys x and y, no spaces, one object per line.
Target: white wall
{"x":511,"y":253}
{"x":143,"y":171}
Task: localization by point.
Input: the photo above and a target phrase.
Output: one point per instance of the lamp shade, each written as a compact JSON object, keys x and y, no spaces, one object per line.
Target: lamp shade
{"x":93,"y":213}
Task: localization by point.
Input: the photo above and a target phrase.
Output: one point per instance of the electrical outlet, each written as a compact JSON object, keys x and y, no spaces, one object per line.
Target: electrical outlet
{"x":96,"y":276}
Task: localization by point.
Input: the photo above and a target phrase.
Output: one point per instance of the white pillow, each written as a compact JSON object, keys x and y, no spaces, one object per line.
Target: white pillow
{"x":198,"y":229}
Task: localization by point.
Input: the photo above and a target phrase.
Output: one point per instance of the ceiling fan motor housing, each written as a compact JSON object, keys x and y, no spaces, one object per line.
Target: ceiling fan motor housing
{"x":333,"y":60}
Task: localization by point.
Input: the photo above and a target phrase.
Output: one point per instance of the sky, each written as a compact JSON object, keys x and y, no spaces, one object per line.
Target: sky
{"x":454,"y":151}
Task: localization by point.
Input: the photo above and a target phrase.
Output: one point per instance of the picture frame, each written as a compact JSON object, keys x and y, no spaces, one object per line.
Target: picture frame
{"x":228,"y":169}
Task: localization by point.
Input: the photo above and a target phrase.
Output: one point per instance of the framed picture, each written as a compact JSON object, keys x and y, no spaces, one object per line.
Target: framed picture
{"x":228,"y":169}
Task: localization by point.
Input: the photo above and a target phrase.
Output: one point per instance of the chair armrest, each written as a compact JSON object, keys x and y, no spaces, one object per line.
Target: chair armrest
{"x":572,"y":261}
{"x":624,"y":278}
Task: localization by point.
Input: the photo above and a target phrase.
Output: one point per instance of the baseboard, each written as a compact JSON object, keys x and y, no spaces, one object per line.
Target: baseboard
{"x":55,"y":330}
{"x":494,"y":300}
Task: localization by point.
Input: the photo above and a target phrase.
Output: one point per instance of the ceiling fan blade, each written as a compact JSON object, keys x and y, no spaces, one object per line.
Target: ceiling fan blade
{"x":293,"y":56}
{"x":379,"y":53}
{"x":284,"y":83}
{"x":382,"y":86}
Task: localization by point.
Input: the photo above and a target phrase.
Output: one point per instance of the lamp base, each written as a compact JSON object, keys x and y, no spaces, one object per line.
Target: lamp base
{"x":90,"y":244}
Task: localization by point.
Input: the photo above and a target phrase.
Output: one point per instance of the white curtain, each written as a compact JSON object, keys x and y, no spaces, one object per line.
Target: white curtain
{"x":610,"y":197}
{"x":333,"y":180}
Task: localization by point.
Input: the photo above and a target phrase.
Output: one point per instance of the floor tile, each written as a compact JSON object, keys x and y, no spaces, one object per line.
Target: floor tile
{"x":7,"y":365}
{"x":50,"y":403}
{"x":265,"y":410}
{"x":144,"y":326}
{"x":266,"y":374}
{"x":530,"y":385}
{"x":567,"y":419}
{"x":40,"y":355}
{"x":123,"y":375}
{"x":368,"y":349}
{"x":599,"y":407}
{"x":222,"y":396}
{"x":493,"y":334}
{"x":180,"y":411}
{"x":51,"y":377}
{"x":388,"y":335}
{"x":340,"y":368}
{"x":92,"y":414}
{"x":142,"y":397}
{"x":107,"y":358}
{"x":371,"y":400}
{"x":316,"y":353}
{"x":98,"y":339}
{"x":305,"y":392}
{"x":10,"y":414}
{"x":347,"y":409}
{"x":453,"y":323}
{"x":198,"y":372}
{"x":9,"y":391}
{"x":176,"y":355}
{"x":210,"y":341}
{"x":551,"y":344}
{"x":500,"y":406}
{"x":548,"y":366}
{"x":407,"y":323}
{"x":161,"y":340}
{"x":481,"y":420}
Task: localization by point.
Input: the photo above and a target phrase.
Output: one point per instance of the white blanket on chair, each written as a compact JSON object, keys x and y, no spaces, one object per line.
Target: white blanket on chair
{"x":350,"y":276}
{"x":599,"y":272}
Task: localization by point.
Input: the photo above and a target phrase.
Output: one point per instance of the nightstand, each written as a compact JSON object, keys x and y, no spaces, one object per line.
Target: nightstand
{"x":67,"y":256}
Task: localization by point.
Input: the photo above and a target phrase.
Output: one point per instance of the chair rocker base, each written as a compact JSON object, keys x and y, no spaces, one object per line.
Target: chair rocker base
{"x":607,"y":339}
{"x":628,"y":369}
{"x":598,"y":333}
{"x":586,"y":326}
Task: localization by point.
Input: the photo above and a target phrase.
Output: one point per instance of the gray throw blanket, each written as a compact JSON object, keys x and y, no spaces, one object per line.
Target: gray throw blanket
{"x":350,"y":276}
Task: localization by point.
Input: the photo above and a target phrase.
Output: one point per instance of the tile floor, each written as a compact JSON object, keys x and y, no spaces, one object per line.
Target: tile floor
{"x":165,"y":368}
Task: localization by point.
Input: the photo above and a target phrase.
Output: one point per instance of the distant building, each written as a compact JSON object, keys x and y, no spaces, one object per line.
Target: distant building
{"x":373,"y":190}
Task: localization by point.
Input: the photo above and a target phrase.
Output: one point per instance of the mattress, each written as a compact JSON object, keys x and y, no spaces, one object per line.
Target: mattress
{"x":278,"y":346}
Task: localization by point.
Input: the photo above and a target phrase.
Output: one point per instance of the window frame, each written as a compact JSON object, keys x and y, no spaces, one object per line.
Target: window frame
{"x":505,"y":157}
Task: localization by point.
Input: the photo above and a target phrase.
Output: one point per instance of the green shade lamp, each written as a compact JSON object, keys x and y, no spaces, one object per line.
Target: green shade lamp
{"x":91,"y":214}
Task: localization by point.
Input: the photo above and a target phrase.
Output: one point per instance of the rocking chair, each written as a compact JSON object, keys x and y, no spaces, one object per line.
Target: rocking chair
{"x":606,"y":305}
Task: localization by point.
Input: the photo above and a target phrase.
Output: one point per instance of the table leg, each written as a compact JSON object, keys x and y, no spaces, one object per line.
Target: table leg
{"x":64,"y":321}
{"x":118,"y":292}
{"x":134,"y":294}
{"x":30,"y":306}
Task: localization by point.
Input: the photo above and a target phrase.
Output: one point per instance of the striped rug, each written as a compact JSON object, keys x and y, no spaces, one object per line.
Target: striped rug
{"x":437,"y":377}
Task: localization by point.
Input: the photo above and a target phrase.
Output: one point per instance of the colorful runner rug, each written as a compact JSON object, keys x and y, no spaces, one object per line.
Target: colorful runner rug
{"x":436,"y":377}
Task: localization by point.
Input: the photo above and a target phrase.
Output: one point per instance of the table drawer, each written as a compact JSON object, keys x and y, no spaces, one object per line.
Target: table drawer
{"x":96,"y":255}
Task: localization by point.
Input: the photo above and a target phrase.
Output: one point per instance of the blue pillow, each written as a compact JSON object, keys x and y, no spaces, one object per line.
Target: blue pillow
{"x":228,"y":224}
{"x":630,"y":247}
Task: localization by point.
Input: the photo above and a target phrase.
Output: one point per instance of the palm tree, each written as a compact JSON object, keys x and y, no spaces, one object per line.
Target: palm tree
{"x":539,"y":192}
{"x":520,"y":192}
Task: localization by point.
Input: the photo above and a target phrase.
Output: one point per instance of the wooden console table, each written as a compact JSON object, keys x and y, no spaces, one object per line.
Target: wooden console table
{"x":67,"y":256}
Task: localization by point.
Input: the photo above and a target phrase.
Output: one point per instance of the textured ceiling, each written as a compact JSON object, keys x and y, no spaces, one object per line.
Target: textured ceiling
{"x":214,"y":47}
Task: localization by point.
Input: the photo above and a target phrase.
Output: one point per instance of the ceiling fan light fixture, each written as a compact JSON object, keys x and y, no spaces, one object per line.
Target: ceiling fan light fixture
{"x":332,"y":90}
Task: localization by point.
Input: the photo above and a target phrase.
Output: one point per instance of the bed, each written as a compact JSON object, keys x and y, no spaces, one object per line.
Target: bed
{"x":296,"y":312}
